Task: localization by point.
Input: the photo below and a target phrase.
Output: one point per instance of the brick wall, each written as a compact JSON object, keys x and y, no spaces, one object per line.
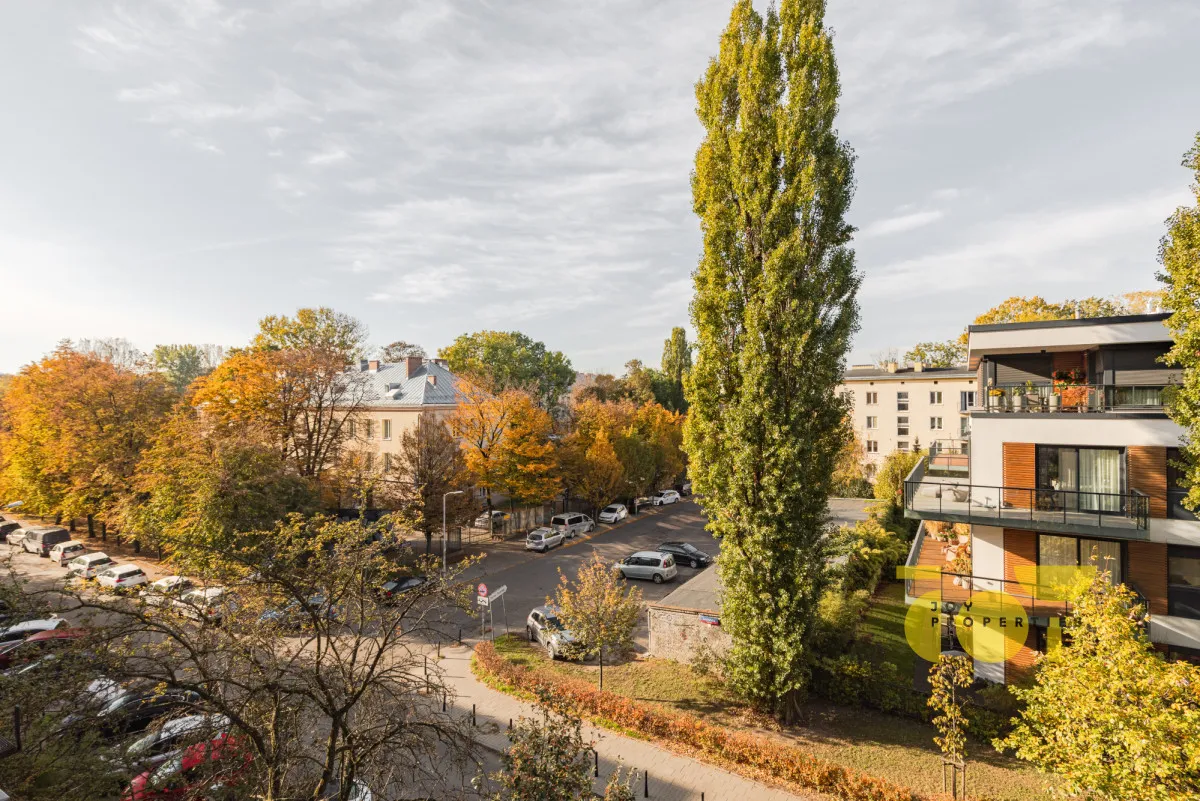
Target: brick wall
{"x":676,"y":635}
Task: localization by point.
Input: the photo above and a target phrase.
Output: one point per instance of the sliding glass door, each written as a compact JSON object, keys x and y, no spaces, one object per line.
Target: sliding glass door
{"x":1064,"y":552}
{"x":1081,"y":479}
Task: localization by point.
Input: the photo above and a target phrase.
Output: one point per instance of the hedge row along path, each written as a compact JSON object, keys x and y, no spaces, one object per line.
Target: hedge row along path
{"x":673,"y":777}
{"x":722,"y":751}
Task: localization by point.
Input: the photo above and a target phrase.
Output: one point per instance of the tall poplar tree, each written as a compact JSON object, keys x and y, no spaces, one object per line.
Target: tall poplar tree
{"x":774,"y":311}
{"x":1179,"y":254}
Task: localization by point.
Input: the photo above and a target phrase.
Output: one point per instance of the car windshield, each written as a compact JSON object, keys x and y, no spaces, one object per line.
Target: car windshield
{"x":535,"y":536}
{"x":690,"y":548}
{"x":611,"y":509}
{"x":166,"y":771}
{"x":142,"y":746}
{"x":553,"y":623}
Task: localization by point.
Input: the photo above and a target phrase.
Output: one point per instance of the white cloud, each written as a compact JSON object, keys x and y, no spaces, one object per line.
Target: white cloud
{"x":901,"y":223}
{"x":155,"y":92}
{"x":329,"y":156}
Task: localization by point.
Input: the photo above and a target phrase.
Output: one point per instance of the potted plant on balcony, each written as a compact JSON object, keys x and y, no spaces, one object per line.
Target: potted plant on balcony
{"x":994,"y":395}
{"x":962,"y":532}
{"x":960,"y":565}
{"x":1070,"y":389}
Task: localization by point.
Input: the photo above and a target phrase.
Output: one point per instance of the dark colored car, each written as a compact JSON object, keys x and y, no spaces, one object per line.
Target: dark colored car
{"x":130,"y":711}
{"x":686,"y":554}
{"x":8,"y":526}
{"x":294,"y":614}
{"x":400,"y":585}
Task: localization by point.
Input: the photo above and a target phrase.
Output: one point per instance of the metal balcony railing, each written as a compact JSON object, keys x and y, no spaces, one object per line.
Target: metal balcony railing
{"x":1069,"y":399}
{"x":1041,"y":508}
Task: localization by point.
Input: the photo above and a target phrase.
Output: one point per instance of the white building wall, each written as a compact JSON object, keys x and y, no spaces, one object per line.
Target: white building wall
{"x":920,"y":410}
{"x":987,"y":557}
{"x":1068,"y":337}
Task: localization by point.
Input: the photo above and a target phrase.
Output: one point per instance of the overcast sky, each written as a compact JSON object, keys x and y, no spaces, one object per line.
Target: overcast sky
{"x":173,"y":171}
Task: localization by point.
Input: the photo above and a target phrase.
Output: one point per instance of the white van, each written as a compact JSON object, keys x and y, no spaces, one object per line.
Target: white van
{"x":572,"y":523}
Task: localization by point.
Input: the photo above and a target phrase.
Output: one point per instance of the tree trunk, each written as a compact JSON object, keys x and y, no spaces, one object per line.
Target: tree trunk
{"x":103,"y":531}
{"x":601,"y":668}
{"x":91,"y":521}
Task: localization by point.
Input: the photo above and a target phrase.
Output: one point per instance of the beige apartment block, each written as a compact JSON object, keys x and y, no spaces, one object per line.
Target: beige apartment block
{"x":396,"y":397}
{"x":903,"y":407}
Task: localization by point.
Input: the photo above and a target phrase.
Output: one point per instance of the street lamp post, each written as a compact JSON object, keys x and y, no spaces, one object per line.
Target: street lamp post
{"x":444,"y":497}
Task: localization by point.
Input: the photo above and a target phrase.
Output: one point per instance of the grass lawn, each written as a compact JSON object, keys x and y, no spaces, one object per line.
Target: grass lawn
{"x":881,"y":633}
{"x":893,"y":748}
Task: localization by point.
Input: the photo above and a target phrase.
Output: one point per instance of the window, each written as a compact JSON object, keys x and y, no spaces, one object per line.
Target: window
{"x":1081,"y":479}
{"x":902,"y":401}
{"x":1183,"y":581}
{"x":902,"y":445}
{"x":935,"y":398}
{"x":387,"y":461}
{"x":353,"y":430}
{"x":964,"y":427}
{"x":872,"y":446}
{"x":872,"y":422}
{"x":370,"y":429}
{"x":902,"y":426}
{"x":387,"y":429}
{"x":1055,"y":551}
{"x":872,"y":398}
{"x":966,"y":399}
{"x":370,"y":461}
{"x":935,"y":424}
{"x":1177,"y":486}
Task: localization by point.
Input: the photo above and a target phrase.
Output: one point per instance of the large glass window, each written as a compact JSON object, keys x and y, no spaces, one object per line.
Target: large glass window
{"x":1056,"y":551}
{"x":1081,"y":479}
{"x":1183,"y":581}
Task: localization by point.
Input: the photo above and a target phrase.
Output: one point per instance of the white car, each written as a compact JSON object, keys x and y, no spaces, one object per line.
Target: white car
{"x":663,"y":497}
{"x":163,"y":743}
{"x":122,"y":577}
{"x":542,"y":539}
{"x":158,"y":593}
{"x":66,"y":551}
{"x":572,"y":523}
{"x":89,"y":565}
{"x":543,"y":626}
{"x":614,"y":513}
{"x":652,"y":565}
{"x":16,"y":537}
{"x":209,"y":603}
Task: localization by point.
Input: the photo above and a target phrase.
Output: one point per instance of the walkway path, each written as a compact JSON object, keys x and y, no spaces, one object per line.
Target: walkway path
{"x":671,"y":777}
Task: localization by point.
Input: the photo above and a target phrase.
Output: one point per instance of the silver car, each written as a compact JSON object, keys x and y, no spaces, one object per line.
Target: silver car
{"x":543,"y":627}
{"x":650,"y":565}
{"x":542,"y":539}
{"x":572,"y":523}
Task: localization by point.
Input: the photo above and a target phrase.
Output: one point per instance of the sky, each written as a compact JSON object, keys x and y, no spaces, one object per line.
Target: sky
{"x":173,"y":171}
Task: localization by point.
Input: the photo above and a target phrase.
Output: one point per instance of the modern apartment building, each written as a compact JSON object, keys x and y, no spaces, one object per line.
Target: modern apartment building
{"x":900,"y":408}
{"x":1071,"y":460}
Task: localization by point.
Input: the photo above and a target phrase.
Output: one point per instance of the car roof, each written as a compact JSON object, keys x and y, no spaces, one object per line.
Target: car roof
{"x":126,"y":568}
{"x":41,"y":624}
{"x":93,"y":556}
{"x":68,"y":544}
{"x":551,"y":611}
{"x":650,"y":553}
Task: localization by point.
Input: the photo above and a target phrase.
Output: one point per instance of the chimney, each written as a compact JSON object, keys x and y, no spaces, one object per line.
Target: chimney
{"x":373,"y":365}
{"x":411,"y":365}
{"x":918,"y":367}
{"x":892,"y":366}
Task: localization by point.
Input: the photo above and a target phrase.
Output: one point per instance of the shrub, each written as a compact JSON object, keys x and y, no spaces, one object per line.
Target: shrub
{"x":754,"y":754}
{"x":838,"y":615}
{"x":870,"y":548}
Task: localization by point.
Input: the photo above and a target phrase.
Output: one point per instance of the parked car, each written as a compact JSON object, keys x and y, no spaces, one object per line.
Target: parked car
{"x":34,"y":647}
{"x":133,"y":710}
{"x":542,"y":539}
{"x":167,"y":740}
{"x":400,"y":585}
{"x":497,"y":518}
{"x":543,"y":626}
{"x":20,"y":631}
{"x":664,"y":497}
{"x":685,"y":489}
{"x":66,"y":551}
{"x":614,"y":513}
{"x":210,"y":603}
{"x":572,"y":523}
{"x":8,"y":527}
{"x":189,"y":771}
{"x":294,"y":614}
{"x":686,"y":554}
{"x":89,"y":565}
{"x":165,"y":590}
{"x":122,"y":577}
{"x":15,"y":537}
{"x":40,"y":539}
{"x":657,"y":567}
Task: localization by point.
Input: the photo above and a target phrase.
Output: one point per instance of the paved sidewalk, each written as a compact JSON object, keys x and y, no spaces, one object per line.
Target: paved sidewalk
{"x":672,"y":777}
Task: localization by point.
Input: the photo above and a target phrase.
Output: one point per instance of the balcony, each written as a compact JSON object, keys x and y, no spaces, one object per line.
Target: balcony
{"x":950,"y":458}
{"x":1124,"y":515}
{"x":927,"y":572}
{"x":1070,"y":399}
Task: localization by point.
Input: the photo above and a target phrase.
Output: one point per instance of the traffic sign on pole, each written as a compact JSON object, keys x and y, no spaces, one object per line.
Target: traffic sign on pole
{"x":482,"y":590}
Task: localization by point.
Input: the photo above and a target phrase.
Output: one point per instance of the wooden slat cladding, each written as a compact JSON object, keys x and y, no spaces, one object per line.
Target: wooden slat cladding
{"x":1146,"y":467}
{"x":1020,"y":551}
{"x":1147,"y":569}
{"x":1070,"y":360}
{"x":1020,"y":470}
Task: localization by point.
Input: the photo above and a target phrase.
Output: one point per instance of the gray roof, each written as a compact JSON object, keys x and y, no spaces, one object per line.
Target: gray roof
{"x":392,"y":387}
{"x":958,"y":371}
{"x":699,"y":593}
{"x":1124,"y":318}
